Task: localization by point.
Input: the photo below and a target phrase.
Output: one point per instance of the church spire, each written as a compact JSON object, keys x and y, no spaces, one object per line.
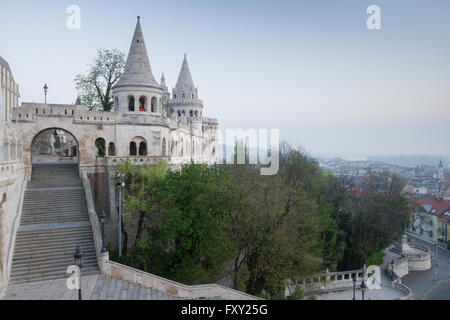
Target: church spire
{"x":137,"y":69}
{"x":185,"y":82}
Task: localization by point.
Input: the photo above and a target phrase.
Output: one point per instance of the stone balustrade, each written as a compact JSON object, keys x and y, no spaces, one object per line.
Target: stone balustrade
{"x":327,"y":282}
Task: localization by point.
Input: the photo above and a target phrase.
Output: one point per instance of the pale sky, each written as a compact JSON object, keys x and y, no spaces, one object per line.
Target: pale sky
{"x":309,"y":68}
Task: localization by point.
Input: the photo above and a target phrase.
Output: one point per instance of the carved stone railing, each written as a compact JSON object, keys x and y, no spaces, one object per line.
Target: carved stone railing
{"x":327,"y":282}
{"x":126,"y":273}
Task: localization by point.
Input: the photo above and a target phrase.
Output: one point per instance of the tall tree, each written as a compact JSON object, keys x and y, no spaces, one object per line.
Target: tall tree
{"x":373,"y":220}
{"x":95,"y":86}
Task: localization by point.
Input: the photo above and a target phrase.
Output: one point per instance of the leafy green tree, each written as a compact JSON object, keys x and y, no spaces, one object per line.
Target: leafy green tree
{"x":95,"y":86}
{"x":184,"y":240}
{"x":373,"y":220}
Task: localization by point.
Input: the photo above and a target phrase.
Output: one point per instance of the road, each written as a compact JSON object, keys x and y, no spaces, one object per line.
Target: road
{"x":421,"y":282}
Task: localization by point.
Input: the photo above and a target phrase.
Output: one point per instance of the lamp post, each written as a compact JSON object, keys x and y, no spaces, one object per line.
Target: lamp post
{"x":363,"y":283}
{"x":78,"y":257}
{"x":436,"y":261}
{"x":354,"y":285}
{"x":392,"y":270}
{"x":121,"y":184}
{"x":45,"y":92}
{"x":363,"y":287}
{"x":102,"y":221}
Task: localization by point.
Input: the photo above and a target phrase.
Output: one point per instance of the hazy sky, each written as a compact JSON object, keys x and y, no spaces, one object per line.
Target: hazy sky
{"x":310,"y":68}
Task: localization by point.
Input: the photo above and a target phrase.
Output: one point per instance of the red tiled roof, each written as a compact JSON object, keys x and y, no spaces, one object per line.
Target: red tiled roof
{"x":437,"y":206}
{"x":447,"y":176}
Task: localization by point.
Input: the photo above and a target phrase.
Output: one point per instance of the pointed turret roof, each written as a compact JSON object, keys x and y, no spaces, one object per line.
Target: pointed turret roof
{"x":440,"y":164}
{"x":185,"y":79}
{"x":137,"y":69}
{"x":163,"y":81}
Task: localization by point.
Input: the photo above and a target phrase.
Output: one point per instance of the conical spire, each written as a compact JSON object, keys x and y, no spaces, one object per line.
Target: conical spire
{"x":163,"y":81}
{"x":137,"y":69}
{"x":185,"y":79}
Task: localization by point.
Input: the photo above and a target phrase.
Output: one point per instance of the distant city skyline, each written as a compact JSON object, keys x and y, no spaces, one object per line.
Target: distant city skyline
{"x":309,"y":68}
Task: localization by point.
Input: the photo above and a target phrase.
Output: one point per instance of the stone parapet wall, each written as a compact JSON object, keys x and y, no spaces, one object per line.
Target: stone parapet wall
{"x":327,"y":282}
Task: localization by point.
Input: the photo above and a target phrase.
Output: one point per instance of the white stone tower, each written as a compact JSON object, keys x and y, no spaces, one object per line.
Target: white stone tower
{"x":137,"y":92}
{"x":166,"y":93}
{"x":185,"y":102}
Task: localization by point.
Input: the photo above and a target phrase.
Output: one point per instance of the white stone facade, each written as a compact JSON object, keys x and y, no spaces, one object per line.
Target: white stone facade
{"x":138,"y":128}
{"x":9,"y":95}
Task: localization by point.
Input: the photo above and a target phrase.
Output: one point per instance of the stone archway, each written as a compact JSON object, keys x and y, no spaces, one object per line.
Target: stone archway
{"x":54,"y":144}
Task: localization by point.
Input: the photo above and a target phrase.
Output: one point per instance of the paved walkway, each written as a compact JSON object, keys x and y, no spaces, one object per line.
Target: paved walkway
{"x":51,"y":290}
{"x":421,"y":282}
{"x":385,"y":293}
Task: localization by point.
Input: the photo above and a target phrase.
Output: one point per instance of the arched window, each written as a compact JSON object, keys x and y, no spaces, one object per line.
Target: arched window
{"x":174,"y":96}
{"x":163,"y":147}
{"x":196,"y":114}
{"x":183,"y":113}
{"x":142,"y":149}
{"x":133,"y":151}
{"x":179,"y":113}
{"x":111,"y":149}
{"x":182,"y":96}
{"x":191,"y":113}
{"x":100,"y":145}
{"x":116,"y":103}
{"x":130,"y":103}
{"x":154,"y":104}
{"x":142,"y":103}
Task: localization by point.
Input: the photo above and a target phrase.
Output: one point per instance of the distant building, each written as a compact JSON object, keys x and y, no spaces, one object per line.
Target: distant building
{"x":432,"y":223}
{"x":9,"y":92}
{"x":440,"y":174}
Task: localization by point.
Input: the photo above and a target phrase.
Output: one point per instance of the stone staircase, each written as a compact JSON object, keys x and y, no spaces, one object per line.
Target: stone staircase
{"x":54,"y":220}
{"x":108,"y":288}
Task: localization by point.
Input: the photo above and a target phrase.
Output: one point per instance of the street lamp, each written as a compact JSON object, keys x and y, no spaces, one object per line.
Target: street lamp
{"x":121,"y":184}
{"x":392,"y":269}
{"x":45,"y":92}
{"x":354,"y":285}
{"x":78,"y":257}
{"x":363,"y":287}
{"x":436,"y":262}
{"x":102,"y":221}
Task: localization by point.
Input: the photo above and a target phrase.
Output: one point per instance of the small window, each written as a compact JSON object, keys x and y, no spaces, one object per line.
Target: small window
{"x":142,"y":149}
{"x":142,"y":103}
{"x":130,"y":103}
{"x":111,"y":149}
{"x":133,"y":150}
{"x":100,"y":145}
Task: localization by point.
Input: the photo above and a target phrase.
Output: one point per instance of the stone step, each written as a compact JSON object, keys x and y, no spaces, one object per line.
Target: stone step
{"x":109,"y":288}
{"x":54,"y":221}
{"x":66,"y":246}
{"x":48,"y":266}
{"x":43,"y":234}
{"x":52,"y":232}
{"x":51,"y":276}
